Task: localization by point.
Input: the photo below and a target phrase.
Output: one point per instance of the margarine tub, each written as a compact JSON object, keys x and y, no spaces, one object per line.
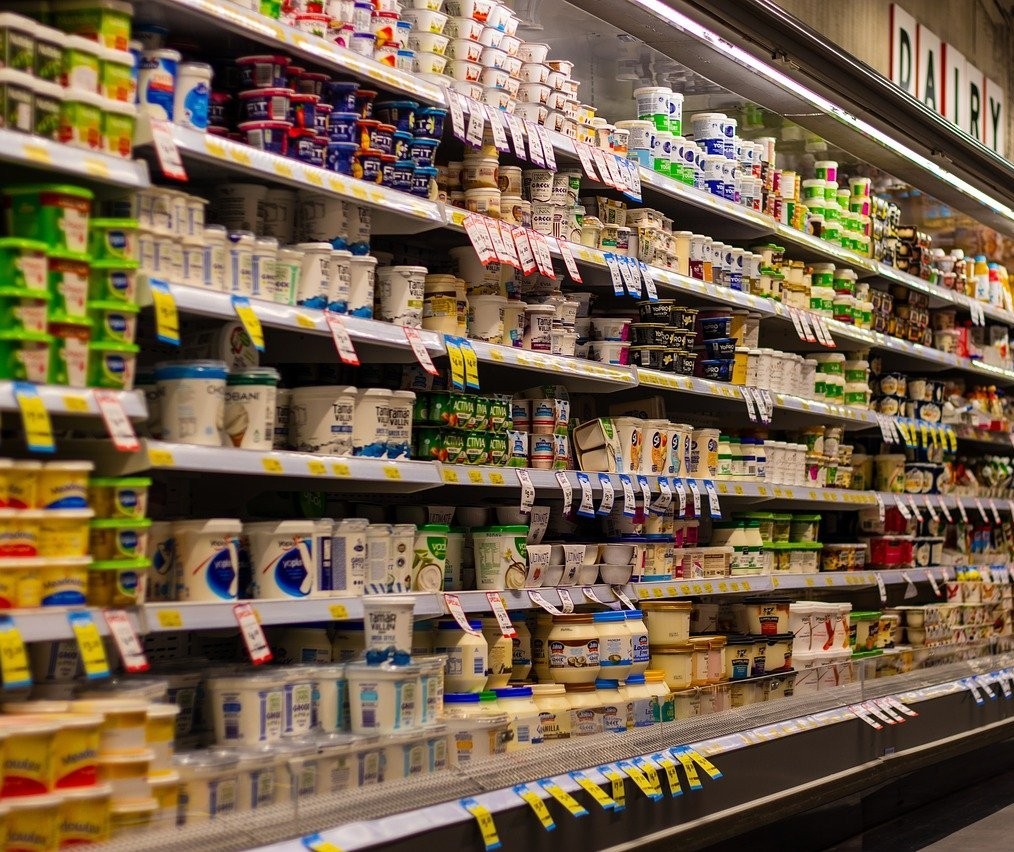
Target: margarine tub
{"x":123,"y":728}
{"x":27,"y":583}
{"x":209,"y":783}
{"x":677,"y":663}
{"x":114,"y":582}
{"x":119,"y":538}
{"x":119,"y":497}
{"x":668,"y":622}
{"x":75,"y":746}
{"x":23,"y":484}
{"x":84,"y":815}
{"x":128,"y":817}
{"x":64,"y":532}
{"x":64,"y":485}
{"x":384,"y":697}
{"x":248,"y":708}
{"x":160,"y":732}
{"x":33,"y":823}
{"x":28,"y":765}
{"x":19,"y":533}
{"x":165,"y":790}
{"x":127,"y":773}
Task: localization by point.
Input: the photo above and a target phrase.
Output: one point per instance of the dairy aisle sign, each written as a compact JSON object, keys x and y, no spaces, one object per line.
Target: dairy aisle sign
{"x":938,"y":75}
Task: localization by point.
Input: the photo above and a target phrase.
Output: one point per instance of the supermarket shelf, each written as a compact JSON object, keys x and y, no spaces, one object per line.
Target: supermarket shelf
{"x":74,"y":402}
{"x":33,"y":152}
{"x":210,"y":17}
{"x":996,"y":438}
{"x":394,"y":212}
{"x":50,"y":624}
{"x":797,"y":495}
{"x":580,"y":373}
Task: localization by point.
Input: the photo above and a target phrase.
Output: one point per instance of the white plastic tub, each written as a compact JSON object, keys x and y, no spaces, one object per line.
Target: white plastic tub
{"x":383,"y":699}
{"x":320,"y":419}
{"x":207,"y":556}
{"x":248,"y":709}
{"x":282,"y":559}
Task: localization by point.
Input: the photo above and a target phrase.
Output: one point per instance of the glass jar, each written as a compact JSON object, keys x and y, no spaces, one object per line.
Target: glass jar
{"x":639,"y":641}
{"x":615,"y":645}
{"x":574,"y":649}
{"x":499,"y":671}
{"x":467,"y":655}
{"x":523,"y":717}
{"x":554,"y":710}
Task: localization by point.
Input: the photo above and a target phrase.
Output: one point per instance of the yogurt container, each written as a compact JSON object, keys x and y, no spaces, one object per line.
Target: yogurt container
{"x":383,"y":699}
{"x":192,"y":95}
{"x":282,"y":558}
{"x":54,"y":214}
{"x":156,"y":82}
{"x":249,"y":416}
{"x":321,"y":419}
{"x":248,"y":709}
{"x":209,"y":783}
{"x":399,"y":294}
{"x":207,"y":556}
{"x":193,"y":402}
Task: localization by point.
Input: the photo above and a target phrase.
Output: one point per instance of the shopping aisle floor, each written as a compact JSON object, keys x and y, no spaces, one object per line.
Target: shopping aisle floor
{"x":980,"y":817}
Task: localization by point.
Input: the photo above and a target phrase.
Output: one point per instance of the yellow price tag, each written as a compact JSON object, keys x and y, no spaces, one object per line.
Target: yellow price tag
{"x":724,"y":587}
{"x":341,"y":469}
{"x":316,"y":843}
{"x":89,"y":643}
{"x":338,"y":612}
{"x":391,"y":472}
{"x":471,"y":365}
{"x":651,"y":774}
{"x":484,"y":818}
{"x":657,"y":592}
{"x":496,"y":478}
{"x":708,"y":588}
{"x":272,"y":465}
{"x":160,"y":458}
{"x":304,"y":321}
{"x":316,"y":468}
{"x":251,"y":322}
{"x":642,"y":594}
{"x":34,"y":418}
{"x":537,"y":805}
{"x":685,"y":589}
{"x":671,"y":591}
{"x":639,"y":778}
{"x":713,"y":771}
{"x":593,"y":790}
{"x":13,"y":658}
{"x":170,"y":618}
{"x":564,"y":798}
{"x":457,"y":363}
{"x":810,"y":582}
{"x":619,"y":789}
{"x":77,"y":404}
{"x":167,"y":317}
{"x":475,"y":477}
{"x":675,"y":788}
{"x":693,"y":779}
{"x":496,"y":355}
{"x":36,"y":153}
{"x":829,"y":581}
{"x":450,"y":475}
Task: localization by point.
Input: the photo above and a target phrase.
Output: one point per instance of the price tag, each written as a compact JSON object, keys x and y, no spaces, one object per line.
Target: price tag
{"x":632,"y":286}
{"x":572,"y":805}
{"x":906,"y":513}
{"x":567,"y":490}
{"x":316,"y":843}
{"x":629,"y":501}
{"x":593,"y":790}
{"x":535,"y":152}
{"x":500,"y":611}
{"x":716,"y":510}
{"x":647,"y":766}
{"x":933,"y":583}
{"x":166,"y":152}
{"x":915,"y":509}
{"x":901,"y":707}
{"x":538,"y":521}
{"x":1001,"y":678}
{"x":543,"y":258}
{"x":419,"y":350}
{"x":804,"y":320}
{"x":642,"y":482}
{"x":537,"y":599}
{"x":584,"y":154}
{"x":89,"y":644}
{"x":118,"y":425}
{"x":499,"y":247}
{"x":548,"y":148}
{"x":569,"y":262}
{"x":608,"y":494}
{"x":633,"y":169}
{"x":669,"y":765}
{"x":484,"y":819}
{"x":797,"y":323}
{"x":982,"y":510}
{"x":589,"y":593}
{"x":682,"y":755}
{"x":881,"y":509}
{"x":860,"y":712}
{"x":649,"y":282}
{"x":696,"y":492}
{"x":622,"y":597}
{"x":457,"y":114}
{"x":13,"y":657}
{"x":614,"y":273}
{"x":873,"y":708}
{"x":524,"y":247}
{"x":828,"y":337}
{"x":681,"y":494}
{"x":881,"y":588}
{"x":930,"y":508}
{"x":910,"y":589}
{"x":34,"y":418}
{"x":527,"y":491}
{"x":566,"y":601}
{"x":887,"y":708}
{"x":639,"y":778}
{"x":453,"y":604}
{"x":480,"y":238}
{"x":471,"y":364}
{"x":618,"y":791}
{"x":970,"y":685}
{"x":127,"y":642}
{"x":536,"y":804}
{"x":616,"y":177}
{"x":517,"y":136}
{"x":961,"y":510}
{"x":341,"y":339}
{"x":251,"y":322}
{"x":457,"y":362}
{"x":995,"y":511}
{"x":664,"y":500}
{"x":167,"y":317}
{"x":944,"y":509}
{"x":586,"y":509}
{"x":748,"y":399}
{"x":769,"y":403}
{"x":476,"y":123}
{"x":602,"y":166}
{"x":507,"y":241}
{"x":253,"y":636}
{"x":713,"y":772}
{"x":496,"y":125}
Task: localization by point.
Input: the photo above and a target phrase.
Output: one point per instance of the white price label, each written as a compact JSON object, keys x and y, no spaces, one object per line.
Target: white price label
{"x":517,"y":136}
{"x":453,"y":605}
{"x":503,"y":254}
{"x":613,"y":265}
{"x":861,"y":712}
{"x":616,"y":177}
{"x":480,"y":238}
{"x":804,"y":319}
{"x":602,"y":165}
{"x":166,"y":151}
{"x":589,"y":593}
{"x":826,"y":331}
{"x":649,"y":282}
{"x":915,"y":509}
{"x":910,"y":590}
{"x":696,"y":492}
{"x":568,"y":261}
{"x":547,"y":146}
{"x":901,"y":707}
{"x":543,"y":257}
{"x":457,"y":114}
{"x":507,"y":241}
{"x":769,"y":403}
{"x":476,"y":123}
{"x":586,"y":508}
{"x":537,"y":599}
{"x":500,"y":611}
{"x":342,"y":340}
{"x":961,"y":510}
{"x":567,"y":490}
{"x":881,"y":588}
{"x":496,"y":125}
{"x":538,"y":522}
{"x":881,"y":509}
{"x":584,"y":154}
{"x":535,"y":151}
{"x":645,"y":488}
{"x":971,"y":687}
{"x":906,"y":513}
{"x":524,"y":249}
{"x":982,"y":510}
{"x":681,"y":494}
{"x":127,"y":641}
{"x":931,"y":508}
{"x":632,"y":284}
{"x":944,"y":509}
{"x":566,"y":601}
{"x":622,"y":597}
{"x":527,"y":491}
{"x":629,"y":502}
{"x":118,"y":425}
{"x":995,"y":512}
{"x":608,"y":494}
{"x":933,"y":583}
{"x":664,"y":500}
{"x":797,"y":323}
{"x":253,"y":636}
{"x":419,"y":350}
{"x":716,"y":510}
{"x":748,"y":399}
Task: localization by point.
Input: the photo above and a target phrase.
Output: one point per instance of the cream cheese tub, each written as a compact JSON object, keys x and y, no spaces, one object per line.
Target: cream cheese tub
{"x":383,"y":699}
{"x":248,"y":709}
{"x":209,"y":784}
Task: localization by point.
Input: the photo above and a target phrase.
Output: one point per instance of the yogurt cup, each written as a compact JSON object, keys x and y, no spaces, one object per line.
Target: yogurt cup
{"x":209,"y":784}
{"x":193,"y":404}
{"x":399,"y":294}
{"x":248,"y":709}
{"x":383,"y":699}
{"x":321,"y":419}
{"x":207,"y":555}
{"x":249,"y":414}
{"x":387,"y":622}
{"x":282,"y":559}
{"x":54,"y":214}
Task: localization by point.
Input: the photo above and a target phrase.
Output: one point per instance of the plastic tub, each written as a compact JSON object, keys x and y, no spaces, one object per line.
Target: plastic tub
{"x":677,"y":663}
{"x":64,"y":533}
{"x":282,"y":559}
{"x":55,"y":214}
{"x":248,"y":709}
{"x":208,"y":558}
{"x":767,"y":617}
{"x":383,"y":699}
{"x":209,"y":784}
{"x":119,"y":497}
{"x":123,"y":725}
{"x":668,"y":622}
{"x":36,"y":818}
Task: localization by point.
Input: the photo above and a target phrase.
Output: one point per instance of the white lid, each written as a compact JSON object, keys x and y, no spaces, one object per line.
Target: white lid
{"x":52,"y":90}
{"x":19,"y":78}
{"x":120,"y":57}
{"x":80,"y":43}
{"x":122,"y":107}
{"x":97,"y":791}
{"x":210,"y":525}
{"x":90,"y":98}
{"x":25,"y":803}
{"x":160,"y":710}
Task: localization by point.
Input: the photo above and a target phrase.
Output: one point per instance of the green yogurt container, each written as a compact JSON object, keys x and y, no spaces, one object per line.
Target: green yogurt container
{"x":17,"y":42}
{"x":48,"y":105}
{"x":104,"y":21}
{"x":17,"y":93}
{"x":23,"y":263}
{"x":112,"y":365}
{"x":113,"y":281}
{"x":24,"y":356}
{"x":80,"y":67}
{"x":116,"y":75}
{"x":81,"y":120}
{"x":56,"y":214}
{"x":68,"y":353}
{"x":114,"y":322}
{"x":22,"y":309}
{"x":49,"y":54}
{"x":68,"y":277}
{"x":118,"y":123}
{"x":113,"y":239}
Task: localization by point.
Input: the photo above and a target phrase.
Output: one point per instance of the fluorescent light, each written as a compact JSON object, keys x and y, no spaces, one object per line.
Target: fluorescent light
{"x":755,"y":65}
